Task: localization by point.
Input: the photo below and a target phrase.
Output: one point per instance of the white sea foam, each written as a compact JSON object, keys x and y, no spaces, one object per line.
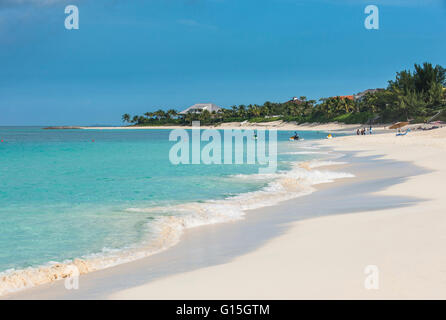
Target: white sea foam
{"x":318,"y":164}
{"x":306,"y":152}
{"x":171,"y":222}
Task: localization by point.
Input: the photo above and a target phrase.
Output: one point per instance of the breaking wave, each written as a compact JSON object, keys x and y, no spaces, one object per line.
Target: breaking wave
{"x":171,"y":221}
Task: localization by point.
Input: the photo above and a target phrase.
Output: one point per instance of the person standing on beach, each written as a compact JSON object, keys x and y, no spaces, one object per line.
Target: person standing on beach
{"x":357,"y":132}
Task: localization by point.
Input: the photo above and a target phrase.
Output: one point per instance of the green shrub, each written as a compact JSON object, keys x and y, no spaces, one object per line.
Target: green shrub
{"x":260,"y":119}
{"x":354,"y":118}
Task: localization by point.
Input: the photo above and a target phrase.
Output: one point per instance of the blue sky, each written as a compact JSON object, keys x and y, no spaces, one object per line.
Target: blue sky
{"x":138,"y":56}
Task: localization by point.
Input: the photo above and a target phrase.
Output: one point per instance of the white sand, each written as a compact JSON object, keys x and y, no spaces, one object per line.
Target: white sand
{"x":326,"y":257}
{"x":278,"y":125}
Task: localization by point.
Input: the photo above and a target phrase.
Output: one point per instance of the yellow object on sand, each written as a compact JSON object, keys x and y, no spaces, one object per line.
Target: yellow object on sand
{"x":398,"y":125}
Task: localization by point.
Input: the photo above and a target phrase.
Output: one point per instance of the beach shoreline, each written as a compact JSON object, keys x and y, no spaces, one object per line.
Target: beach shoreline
{"x":277,"y":125}
{"x":315,"y":259}
{"x":24,"y":279}
{"x":327,"y":257}
{"x":172,"y":260}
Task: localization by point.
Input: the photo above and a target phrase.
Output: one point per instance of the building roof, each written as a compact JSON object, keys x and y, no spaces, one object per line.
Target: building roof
{"x":296,"y":100}
{"x":349,"y":97}
{"x":200,"y":107}
{"x":363,"y":93}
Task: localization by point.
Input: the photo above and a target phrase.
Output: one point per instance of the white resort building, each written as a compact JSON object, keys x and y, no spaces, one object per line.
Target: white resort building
{"x":200,"y":107}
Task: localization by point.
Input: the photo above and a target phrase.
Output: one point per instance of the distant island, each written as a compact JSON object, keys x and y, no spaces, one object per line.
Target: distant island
{"x":417,"y":96}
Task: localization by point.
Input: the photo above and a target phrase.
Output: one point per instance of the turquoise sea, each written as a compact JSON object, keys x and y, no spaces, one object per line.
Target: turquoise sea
{"x":67,"y":194}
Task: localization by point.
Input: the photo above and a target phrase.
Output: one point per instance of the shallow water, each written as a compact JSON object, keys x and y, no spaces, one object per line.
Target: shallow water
{"x":66,"y":194}
{"x":219,"y":244}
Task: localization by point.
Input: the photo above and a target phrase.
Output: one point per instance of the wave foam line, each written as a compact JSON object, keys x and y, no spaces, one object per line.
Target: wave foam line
{"x":167,"y":229}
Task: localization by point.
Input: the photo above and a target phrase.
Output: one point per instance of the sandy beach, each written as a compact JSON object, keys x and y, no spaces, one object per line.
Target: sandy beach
{"x":278,"y":125}
{"x":222,"y":150}
{"x":326,"y":257}
{"x":391,"y":216}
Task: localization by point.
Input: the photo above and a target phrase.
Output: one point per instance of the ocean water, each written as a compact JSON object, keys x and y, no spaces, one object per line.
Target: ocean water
{"x":110,"y":196}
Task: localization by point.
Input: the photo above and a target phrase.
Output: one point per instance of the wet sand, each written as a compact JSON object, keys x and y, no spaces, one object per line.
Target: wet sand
{"x":218,"y":249}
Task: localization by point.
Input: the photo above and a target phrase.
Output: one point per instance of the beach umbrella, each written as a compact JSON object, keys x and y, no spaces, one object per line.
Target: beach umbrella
{"x":398,"y":125}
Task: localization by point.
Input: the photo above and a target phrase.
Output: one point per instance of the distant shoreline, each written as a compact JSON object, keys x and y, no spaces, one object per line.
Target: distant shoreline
{"x":61,"y":128}
{"x":278,"y":125}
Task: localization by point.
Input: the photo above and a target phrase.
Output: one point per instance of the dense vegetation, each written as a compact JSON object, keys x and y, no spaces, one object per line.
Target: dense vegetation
{"x":412,"y":96}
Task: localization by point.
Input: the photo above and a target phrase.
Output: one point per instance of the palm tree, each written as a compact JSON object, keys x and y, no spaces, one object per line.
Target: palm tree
{"x":253,"y":110}
{"x":241,"y":111}
{"x":226,"y":114}
{"x":126,"y":118}
{"x":142,"y":120}
{"x":149,"y":115}
{"x":159,"y":114}
{"x":189,"y":117}
{"x":205,"y":116}
{"x":234,"y":110}
{"x":171,"y":113}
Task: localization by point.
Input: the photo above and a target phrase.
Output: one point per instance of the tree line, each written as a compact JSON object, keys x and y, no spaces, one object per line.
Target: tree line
{"x":414,"y":95}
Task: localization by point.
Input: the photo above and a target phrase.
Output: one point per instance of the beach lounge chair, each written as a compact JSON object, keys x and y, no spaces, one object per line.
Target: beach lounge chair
{"x":403,"y":133}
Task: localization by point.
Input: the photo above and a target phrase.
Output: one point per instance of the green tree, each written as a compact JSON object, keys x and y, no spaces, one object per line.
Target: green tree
{"x":171,"y":113}
{"x":149,"y":115}
{"x":126,"y":118}
{"x":205,"y":117}
{"x":159,"y":114}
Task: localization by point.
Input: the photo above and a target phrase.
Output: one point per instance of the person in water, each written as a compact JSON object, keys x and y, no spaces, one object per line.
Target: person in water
{"x":296,"y":136}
